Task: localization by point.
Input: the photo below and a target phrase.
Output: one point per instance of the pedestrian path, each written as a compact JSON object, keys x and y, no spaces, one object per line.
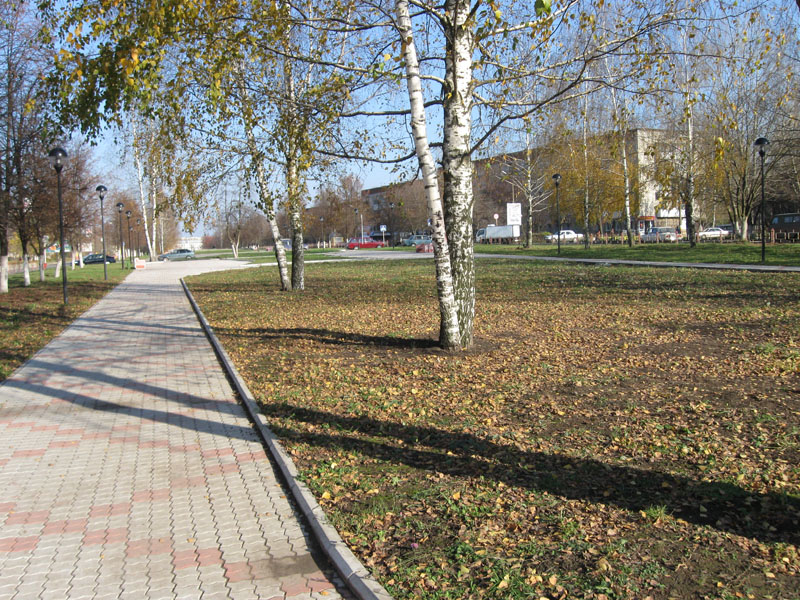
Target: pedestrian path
{"x":129,"y":470}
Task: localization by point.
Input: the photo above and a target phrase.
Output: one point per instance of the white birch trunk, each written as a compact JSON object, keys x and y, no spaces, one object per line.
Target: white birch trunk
{"x":42,"y":263}
{"x":265,"y":198}
{"x":529,"y":187}
{"x":457,"y":160}
{"x":59,"y":264}
{"x":4,"y":274}
{"x":449,"y":335}
{"x":586,"y":171}
{"x":26,"y":271}
{"x":627,"y":182}
{"x":687,"y":207}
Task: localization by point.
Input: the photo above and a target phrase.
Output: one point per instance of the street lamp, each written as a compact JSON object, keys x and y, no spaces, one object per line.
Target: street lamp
{"x":101,"y":191}
{"x":362,"y":222}
{"x":58,"y":157}
{"x":391,"y":221}
{"x":557,"y":180}
{"x":762,"y":143}
{"x":120,"y":206}
{"x":138,"y":228}
{"x":130,"y":246}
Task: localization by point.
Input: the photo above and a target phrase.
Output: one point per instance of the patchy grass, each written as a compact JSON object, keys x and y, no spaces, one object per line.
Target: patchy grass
{"x":704,"y":252}
{"x":265,"y":256}
{"x":30,"y":317}
{"x":614,"y":433}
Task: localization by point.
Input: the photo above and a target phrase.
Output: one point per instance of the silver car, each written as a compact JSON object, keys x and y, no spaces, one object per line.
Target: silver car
{"x":179,"y":254}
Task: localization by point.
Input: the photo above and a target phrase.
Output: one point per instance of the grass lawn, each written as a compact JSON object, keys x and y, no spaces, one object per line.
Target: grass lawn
{"x":614,"y":433}
{"x":705,"y":252}
{"x":264,"y":256}
{"x":30,"y":317}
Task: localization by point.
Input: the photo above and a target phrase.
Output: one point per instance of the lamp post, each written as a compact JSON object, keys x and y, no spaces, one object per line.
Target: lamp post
{"x":101,"y":191}
{"x":391,"y":222}
{"x":130,"y":246}
{"x":322,"y":225}
{"x":557,"y":180}
{"x":762,"y":143}
{"x":120,"y":206}
{"x":58,"y":157}
{"x":138,"y":228}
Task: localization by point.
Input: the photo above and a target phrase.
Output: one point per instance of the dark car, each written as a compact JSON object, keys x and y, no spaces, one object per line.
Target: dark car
{"x":97,"y":259}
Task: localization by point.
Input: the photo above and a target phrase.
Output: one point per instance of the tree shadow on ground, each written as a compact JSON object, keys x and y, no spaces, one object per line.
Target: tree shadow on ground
{"x":330,"y":337}
{"x":716,"y":504}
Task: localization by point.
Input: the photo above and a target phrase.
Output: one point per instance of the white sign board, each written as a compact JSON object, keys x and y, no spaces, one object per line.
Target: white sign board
{"x":513,"y":213}
{"x":383,"y":228}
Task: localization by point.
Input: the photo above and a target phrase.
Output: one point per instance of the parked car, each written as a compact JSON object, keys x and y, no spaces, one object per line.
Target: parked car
{"x":713,"y":233}
{"x":179,"y":254}
{"x":365,"y":242}
{"x":416,"y":240}
{"x":660,"y":234}
{"x":427,"y":247}
{"x":567,"y":235}
{"x":96,"y":259}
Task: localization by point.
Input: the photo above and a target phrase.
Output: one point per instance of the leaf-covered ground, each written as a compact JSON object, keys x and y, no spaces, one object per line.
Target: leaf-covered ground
{"x":614,"y":433}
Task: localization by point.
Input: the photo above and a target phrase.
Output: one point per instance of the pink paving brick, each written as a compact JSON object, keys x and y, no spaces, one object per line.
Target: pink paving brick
{"x":45,"y":427}
{"x":108,"y":510}
{"x":238,"y":571}
{"x":246,"y":457}
{"x":18,"y":518}
{"x":295,"y":589}
{"x":70,"y":431}
{"x":24,"y":453}
{"x":95,"y":436}
{"x":7,"y":506}
{"x":184,"y":559}
{"x":64,"y":526}
{"x":217,"y":452}
{"x":154,"y":444}
{"x":217,"y":469}
{"x":209,"y":556}
{"x":131,"y":439}
{"x":116,"y":535}
{"x":94,"y":538}
{"x":19,"y":544}
{"x":19,"y":424}
{"x":63,"y":444}
{"x":319,"y":583}
{"x":185,"y":448}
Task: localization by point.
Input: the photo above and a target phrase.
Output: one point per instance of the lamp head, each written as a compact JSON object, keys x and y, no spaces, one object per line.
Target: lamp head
{"x":101,"y":190}
{"x":556,"y":179}
{"x":57,"y":156}
{"x":761,"y":143}
{"x":128,"y":213}
{"x":120,"y":206}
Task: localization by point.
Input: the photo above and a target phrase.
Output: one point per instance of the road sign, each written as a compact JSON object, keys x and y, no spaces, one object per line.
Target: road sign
{"x":383,"y":228}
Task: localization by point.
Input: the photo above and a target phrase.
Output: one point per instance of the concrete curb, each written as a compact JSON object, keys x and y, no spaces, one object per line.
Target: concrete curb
{"x":354,"y":574}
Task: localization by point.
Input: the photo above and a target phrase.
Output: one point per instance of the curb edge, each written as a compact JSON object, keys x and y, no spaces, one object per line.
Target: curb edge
{"x":354,"y":574}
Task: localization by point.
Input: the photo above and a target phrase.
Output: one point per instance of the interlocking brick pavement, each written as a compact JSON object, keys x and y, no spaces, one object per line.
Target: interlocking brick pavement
{"x":129,"y":470}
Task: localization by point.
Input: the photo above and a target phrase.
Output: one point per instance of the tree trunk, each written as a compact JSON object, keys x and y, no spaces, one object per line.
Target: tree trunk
{"x":689,"y":173}
{"x":59,"y":266}
{"x":296,"y":225}
{"x":529,"y":187}
{"x":586,"y":172}
{"x":26,"y":270}
{"x":627,"y":181}
{"x":42,"y":265}
{"x":3,"y":273}
{"x":457,"y":161}
{"x":449,"y":335}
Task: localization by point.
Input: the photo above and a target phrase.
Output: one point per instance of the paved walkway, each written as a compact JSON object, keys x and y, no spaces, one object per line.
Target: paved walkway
{"x":129,"y":470}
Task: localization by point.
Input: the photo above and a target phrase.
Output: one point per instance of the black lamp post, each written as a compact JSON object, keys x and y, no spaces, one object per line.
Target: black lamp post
{"x":101,"y":191}
{"x":391,"y":221}
{"x":138,"y":228}
{"x":120,"y":206}
{"x":130,"y":246}
{"x":762,"y":143}
{"x":58,"y":157}
{"x":557,"y":180}
{"x":355,"y":227}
